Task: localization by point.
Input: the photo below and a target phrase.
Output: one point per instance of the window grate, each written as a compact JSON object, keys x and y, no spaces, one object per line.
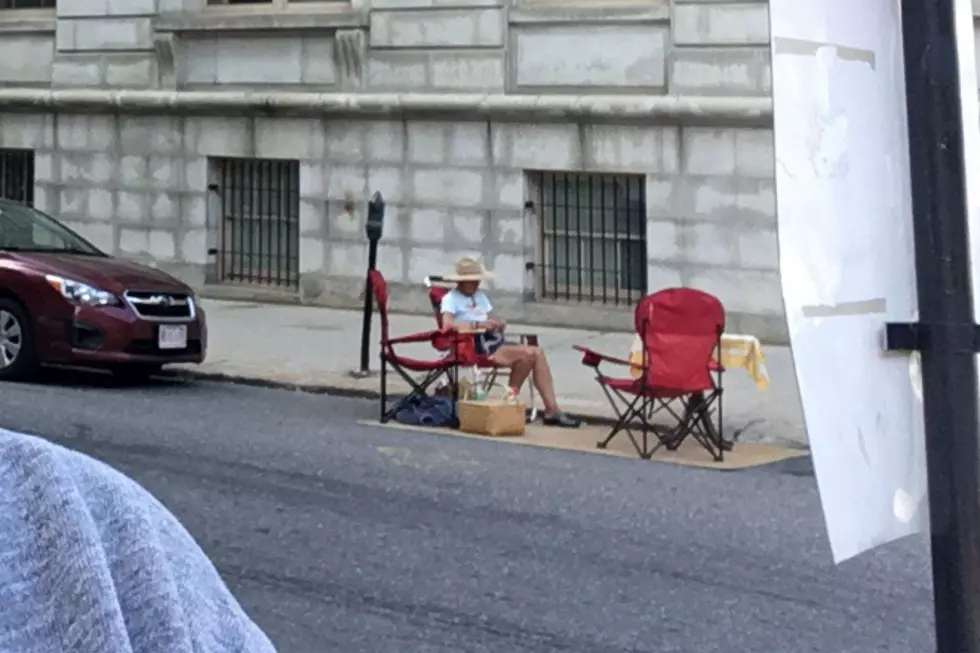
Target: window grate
{"x":259,"y":231}
{"x":592,"y":237}
{"x":17,"y":175}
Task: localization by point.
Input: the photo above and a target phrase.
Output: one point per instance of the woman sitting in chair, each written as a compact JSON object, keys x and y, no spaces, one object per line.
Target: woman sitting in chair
{"x":468,"y":307}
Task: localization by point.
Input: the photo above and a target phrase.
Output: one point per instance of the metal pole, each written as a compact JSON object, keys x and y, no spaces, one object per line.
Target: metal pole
{"x":946,"y":327}
{"x":368,"y":308}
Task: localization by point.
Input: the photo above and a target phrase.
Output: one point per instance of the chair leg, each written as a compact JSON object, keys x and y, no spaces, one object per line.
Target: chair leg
{"x":717,"y":433}
{"x":620,"y":422}
{"x":626,"y":411}
{"x":454,"y":375}
{"x":725,"y":444}
{"x":703,"y":429}
{"x":710,"y":437}
{"x":653,"y":407}
{"x":534,"y":403}
{"x":634,"y":409}
{"x":704,"y":433}
{"x":621,"y":415}
{"x":684,"y":422}
{"x":418,"y":389}
{"x":533,"y":409}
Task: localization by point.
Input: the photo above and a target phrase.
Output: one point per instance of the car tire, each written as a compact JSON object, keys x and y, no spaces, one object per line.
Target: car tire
{"x":18,"y":358}
{"x":136,"y":373}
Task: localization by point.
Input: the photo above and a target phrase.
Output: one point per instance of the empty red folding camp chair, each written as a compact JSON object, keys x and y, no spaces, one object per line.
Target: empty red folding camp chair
{"x":681,"y":330}
{"x":429,"y":370}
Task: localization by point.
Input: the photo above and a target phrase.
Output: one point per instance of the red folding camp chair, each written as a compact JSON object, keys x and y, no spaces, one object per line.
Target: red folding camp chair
{"x":680,"y":329}
{"x":430,"y":370}
{"x":447,"y":343}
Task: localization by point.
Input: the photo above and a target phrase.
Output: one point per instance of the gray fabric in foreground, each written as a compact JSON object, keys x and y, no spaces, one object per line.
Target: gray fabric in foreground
{"x":90,"y":562}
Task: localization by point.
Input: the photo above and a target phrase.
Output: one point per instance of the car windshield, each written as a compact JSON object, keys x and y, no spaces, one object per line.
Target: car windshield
{"x":25,"y":229}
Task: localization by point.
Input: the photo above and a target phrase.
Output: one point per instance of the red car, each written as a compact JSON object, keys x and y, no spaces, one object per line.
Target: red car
{"x":64,"y":301}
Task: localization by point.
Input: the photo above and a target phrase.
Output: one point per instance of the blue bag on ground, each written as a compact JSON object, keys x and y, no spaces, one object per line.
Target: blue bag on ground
{"x":427,"y":411}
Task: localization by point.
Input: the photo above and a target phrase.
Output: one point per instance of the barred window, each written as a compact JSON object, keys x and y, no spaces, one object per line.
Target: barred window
{"x":17,"y":175}
{"x":259,"y":229}
{"x":592,"y":244}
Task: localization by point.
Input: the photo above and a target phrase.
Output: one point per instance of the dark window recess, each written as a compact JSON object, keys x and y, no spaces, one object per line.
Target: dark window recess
{"x":28,"y":4}
{"x":259,"y":230}
{"x":17,"y":175}
{"x":592,"y":237}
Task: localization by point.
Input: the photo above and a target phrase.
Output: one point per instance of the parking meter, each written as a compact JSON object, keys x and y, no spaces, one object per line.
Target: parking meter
{"x":375,"y":218}
{"x":373,"y":228}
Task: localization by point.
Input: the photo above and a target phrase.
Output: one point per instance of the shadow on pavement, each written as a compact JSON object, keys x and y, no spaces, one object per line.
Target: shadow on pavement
{"x":81,"y":377}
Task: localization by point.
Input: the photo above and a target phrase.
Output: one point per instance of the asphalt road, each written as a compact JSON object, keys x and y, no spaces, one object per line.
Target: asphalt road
{"x":338,"y":537}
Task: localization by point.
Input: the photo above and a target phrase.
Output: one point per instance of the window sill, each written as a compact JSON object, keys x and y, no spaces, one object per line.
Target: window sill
{"x":230,"y":19}
{"x":27,"y":21}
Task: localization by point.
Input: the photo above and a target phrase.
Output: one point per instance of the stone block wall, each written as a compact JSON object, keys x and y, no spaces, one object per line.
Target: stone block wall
{"x":720,"y":48}
{"x":136,"y":184}
{"x":105,"y":43}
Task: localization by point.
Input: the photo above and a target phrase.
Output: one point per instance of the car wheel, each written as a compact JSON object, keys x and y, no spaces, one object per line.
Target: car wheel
{"x":18,"y":360}
{"x":136,"y":373}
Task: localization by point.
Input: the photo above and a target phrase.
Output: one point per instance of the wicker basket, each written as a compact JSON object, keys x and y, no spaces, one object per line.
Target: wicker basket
{"x":494,"y":416}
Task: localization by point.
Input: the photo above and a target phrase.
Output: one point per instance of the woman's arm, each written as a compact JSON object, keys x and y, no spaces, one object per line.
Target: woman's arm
{"x":495,"y":323}
{"x":449,"y":323}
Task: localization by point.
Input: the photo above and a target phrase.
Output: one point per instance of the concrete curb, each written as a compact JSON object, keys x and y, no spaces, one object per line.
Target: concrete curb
{"x":334,"y":390}
{"x":317,"y":388}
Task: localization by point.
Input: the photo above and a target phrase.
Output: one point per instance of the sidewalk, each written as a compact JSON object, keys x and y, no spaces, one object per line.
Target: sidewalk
{"x":316,"y":348}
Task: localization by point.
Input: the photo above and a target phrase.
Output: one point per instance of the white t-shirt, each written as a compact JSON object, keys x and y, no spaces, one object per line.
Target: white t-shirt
{"x":466,"y":308}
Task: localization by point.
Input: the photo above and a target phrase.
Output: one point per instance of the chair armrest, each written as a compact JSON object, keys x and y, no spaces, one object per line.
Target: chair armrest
{"x":424,"y":336}
{"x":592,"y":358}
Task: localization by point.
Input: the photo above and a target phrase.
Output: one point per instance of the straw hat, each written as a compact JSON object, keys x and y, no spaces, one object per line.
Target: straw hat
{"x":468,"y":269}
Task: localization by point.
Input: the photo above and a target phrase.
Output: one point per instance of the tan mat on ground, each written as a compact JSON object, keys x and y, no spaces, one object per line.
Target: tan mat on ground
{"x":691,"y":454}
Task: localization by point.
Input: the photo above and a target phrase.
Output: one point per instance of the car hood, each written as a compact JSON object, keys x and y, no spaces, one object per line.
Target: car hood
{"x":112,"y":274}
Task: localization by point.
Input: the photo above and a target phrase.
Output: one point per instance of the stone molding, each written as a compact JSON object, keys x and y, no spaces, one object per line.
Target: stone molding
{"x":620,"y":109}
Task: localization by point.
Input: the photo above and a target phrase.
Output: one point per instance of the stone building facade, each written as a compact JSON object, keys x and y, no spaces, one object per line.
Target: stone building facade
{"x":586,"y":150}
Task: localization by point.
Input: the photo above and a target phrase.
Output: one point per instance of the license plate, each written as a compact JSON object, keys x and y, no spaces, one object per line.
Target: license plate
{"x":172,"y":336}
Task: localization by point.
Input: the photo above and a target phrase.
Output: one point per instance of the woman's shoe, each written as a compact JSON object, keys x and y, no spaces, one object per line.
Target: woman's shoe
{"x":561,"y":420}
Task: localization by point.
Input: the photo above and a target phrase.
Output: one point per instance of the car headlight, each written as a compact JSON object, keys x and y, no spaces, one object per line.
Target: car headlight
{"x":82,"y":293}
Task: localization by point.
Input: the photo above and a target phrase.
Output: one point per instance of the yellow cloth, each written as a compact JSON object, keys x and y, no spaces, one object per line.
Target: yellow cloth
{"x":737,"y":352}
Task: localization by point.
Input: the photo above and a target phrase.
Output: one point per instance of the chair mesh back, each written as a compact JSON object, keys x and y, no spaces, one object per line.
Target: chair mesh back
{"x":441,"y":343}
{"x":680,"y":328}
{"x":435,"y":298}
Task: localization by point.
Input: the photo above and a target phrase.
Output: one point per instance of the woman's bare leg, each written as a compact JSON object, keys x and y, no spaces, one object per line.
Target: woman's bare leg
{"x":520,"y":369}
{"x":522,"y":361}
{"x":544,"y":382}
